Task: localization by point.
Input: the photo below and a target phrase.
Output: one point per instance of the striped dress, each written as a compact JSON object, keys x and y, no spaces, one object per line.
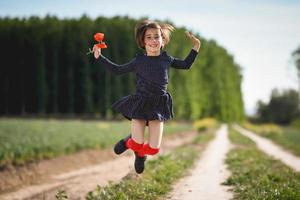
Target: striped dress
{"x":151,"y":100}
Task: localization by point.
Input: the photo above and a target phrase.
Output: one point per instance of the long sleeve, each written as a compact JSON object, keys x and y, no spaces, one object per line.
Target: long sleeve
{"x":186,"y":63}
{"x":118,"y":69}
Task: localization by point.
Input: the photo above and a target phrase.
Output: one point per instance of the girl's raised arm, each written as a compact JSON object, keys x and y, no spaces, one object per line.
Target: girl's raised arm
{"x":188,"y":61}
{"x":113,"y":67}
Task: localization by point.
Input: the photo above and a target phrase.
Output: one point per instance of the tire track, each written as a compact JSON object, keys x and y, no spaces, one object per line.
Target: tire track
{"x":204,"y":182}
{"x":272,"y":149}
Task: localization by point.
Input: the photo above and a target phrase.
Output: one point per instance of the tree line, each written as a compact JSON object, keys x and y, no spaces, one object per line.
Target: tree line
{"x":45,"y":70}
{"x":282,"y":108}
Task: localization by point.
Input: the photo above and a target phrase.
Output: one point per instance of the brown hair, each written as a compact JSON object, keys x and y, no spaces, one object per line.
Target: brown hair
{"x":141,"y":28}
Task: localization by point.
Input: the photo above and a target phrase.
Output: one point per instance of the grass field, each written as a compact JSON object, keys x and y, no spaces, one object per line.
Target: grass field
{"x":257,"y":176}
{"x":22,"y":140}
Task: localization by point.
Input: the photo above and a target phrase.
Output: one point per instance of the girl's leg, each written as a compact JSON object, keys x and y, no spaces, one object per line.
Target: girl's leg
{"x":155,"y":137}
{"x":135,"y":140}
{"x":136,"y":143}
{"x":137,"y":130}
{"x":155,"y":133}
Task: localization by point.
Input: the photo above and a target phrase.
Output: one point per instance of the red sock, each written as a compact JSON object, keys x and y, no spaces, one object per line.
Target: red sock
{"x":147,"y":150}
{"x":131,"y":144}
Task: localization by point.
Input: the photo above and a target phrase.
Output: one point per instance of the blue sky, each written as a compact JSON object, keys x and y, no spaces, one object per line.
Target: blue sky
{"x":261,"y":35}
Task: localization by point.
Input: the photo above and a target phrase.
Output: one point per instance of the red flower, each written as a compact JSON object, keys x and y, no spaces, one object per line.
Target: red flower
{"x":99,"y":37}
{"x":101,"y":45}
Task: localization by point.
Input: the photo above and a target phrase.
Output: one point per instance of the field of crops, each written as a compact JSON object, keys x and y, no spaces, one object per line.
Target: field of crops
{"x":24,"y":140}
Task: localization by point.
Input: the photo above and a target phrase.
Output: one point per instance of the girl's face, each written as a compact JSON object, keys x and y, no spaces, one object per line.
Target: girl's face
{"x":153,"y":41}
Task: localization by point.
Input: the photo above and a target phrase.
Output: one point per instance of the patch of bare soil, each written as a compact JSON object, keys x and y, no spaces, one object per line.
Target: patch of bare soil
{"x":12,"y":177}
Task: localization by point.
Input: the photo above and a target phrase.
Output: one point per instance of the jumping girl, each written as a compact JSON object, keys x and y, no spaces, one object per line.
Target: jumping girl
{"x":151,"y":105}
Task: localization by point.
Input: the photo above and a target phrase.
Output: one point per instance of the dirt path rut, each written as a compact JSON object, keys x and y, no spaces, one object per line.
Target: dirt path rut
{"x":204,"y":182}
{"x":272,"y":149}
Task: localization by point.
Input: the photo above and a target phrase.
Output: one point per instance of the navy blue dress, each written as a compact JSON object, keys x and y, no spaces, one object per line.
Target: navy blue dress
{"x":151,"y":100}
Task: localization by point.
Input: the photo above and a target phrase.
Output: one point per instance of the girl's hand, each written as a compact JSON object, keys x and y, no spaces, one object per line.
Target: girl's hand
{"x":196,"y":42}
{"x":97,"y":51}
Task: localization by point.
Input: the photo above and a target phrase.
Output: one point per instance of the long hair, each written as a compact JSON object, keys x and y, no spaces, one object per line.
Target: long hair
{"x":141,"y":28}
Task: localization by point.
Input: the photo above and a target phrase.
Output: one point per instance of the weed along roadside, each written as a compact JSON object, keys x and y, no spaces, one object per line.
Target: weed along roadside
{"x":258,"y":176}
{"x":159,"y":176}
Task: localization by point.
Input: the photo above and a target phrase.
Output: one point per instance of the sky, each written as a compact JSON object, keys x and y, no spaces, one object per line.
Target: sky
{"x":260,"y":34}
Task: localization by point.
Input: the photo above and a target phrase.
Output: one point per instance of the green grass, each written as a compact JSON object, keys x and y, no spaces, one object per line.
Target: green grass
{"x":256,"y":176}
{"x":158,"y":177}
{"x":22,"y":140}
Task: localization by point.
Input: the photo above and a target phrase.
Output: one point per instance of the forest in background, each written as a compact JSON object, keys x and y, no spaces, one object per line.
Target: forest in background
{"x":45,"y":70}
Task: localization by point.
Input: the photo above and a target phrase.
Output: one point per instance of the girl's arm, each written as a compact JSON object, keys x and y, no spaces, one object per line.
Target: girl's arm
{"x":188,"y":61}
{"x":113,"y":67}
{"x":117,"y":69}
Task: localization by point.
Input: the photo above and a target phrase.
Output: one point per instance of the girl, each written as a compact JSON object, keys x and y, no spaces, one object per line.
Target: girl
{"x":151,"y":104}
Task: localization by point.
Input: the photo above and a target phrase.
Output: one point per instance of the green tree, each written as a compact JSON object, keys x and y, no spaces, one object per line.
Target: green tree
{"x":282,"y":108}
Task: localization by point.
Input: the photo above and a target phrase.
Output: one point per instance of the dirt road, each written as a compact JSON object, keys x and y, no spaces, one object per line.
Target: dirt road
{"x":204,"y":181}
